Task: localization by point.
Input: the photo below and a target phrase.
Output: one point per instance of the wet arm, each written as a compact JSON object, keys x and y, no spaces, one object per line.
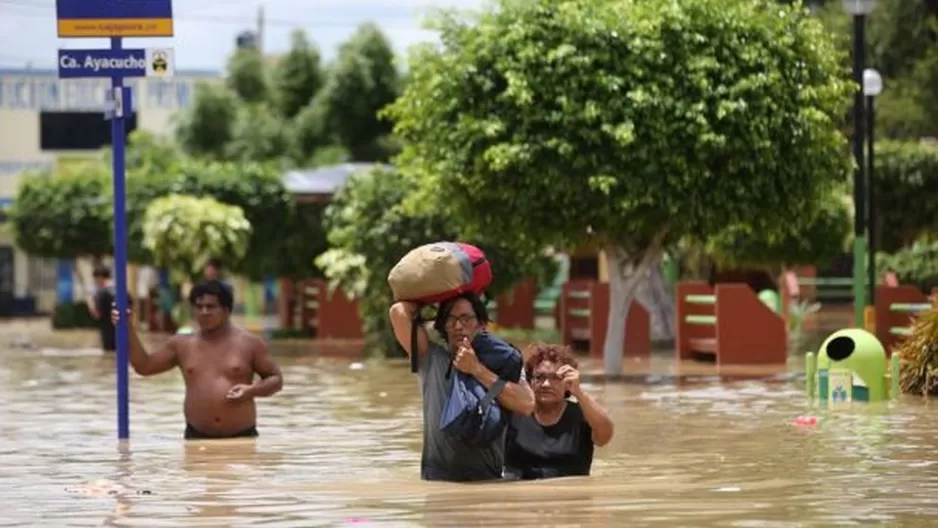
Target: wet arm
{"x":271,"y":377}
{"x":597,"y":418}
{"x":158,"y":362}
{"x":516,"y":397}
{"x":402,"y":320}
{"x":91,"y":302}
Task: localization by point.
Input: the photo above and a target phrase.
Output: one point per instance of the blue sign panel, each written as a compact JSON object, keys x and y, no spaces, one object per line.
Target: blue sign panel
{"x":75,"y":64}
{"x":114,"y":18}
{"x":157,"y":62}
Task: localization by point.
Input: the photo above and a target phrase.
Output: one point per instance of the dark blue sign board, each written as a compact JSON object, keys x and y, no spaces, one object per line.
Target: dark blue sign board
{"x":84,"y":63}
{"x":115,"y":19}
{"x":75,"y":64}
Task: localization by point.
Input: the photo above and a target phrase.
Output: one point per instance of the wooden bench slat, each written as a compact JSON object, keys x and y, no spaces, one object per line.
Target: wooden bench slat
{"x":701,"y":298}
{"x":703,"y":344}
{"x":910,"y":307}
{"x":701,"y":319}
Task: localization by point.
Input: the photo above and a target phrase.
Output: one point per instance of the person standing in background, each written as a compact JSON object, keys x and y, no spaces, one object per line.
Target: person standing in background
{"x":99,"y":306}
{"x":213,"y":270}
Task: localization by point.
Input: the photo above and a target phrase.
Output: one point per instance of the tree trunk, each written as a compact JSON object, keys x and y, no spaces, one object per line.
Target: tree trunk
{"x":653,"y":293}
{"x":696,"y":264}
{"x":82,"y":273}
{"x":625,"y":274}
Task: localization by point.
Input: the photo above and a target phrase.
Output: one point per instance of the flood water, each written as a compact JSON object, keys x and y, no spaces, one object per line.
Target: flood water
{"x":340,"y":446}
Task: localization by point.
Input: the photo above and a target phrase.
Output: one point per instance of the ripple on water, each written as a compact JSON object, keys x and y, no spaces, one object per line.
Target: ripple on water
{"x":342,"y":446}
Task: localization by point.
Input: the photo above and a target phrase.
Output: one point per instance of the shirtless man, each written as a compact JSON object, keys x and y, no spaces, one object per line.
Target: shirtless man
{"x":218,"y":363}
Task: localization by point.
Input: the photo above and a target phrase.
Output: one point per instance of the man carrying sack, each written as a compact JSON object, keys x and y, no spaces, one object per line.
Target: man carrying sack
{"x":457,"y":446}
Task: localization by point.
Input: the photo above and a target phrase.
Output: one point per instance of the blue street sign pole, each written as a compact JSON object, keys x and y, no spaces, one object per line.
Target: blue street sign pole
{"x":117,"y":19}
{"x":120,"y":251}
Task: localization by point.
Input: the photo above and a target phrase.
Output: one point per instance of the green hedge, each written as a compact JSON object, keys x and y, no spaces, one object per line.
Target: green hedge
{"x":72,"y":315}
{"x":69,"y":215}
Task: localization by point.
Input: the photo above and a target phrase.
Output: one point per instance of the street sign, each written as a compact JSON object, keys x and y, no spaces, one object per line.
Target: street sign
{"x":117,"y":19}
{"x":114,"y":18}
{"x":83,"y":63}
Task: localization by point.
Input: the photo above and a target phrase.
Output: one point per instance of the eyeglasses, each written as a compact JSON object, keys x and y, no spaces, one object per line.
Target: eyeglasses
{"x":541,"y":377}
{"x":465,"y":320}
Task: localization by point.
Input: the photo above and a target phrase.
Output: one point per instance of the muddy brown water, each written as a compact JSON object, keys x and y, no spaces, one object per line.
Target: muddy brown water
{"x":340,"y":446}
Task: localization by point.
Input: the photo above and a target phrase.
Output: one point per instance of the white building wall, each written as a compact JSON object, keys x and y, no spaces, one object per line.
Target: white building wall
{"x":25,"y":93}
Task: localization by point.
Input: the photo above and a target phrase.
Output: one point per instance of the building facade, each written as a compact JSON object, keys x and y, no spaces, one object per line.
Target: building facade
{"x":43,"y":120}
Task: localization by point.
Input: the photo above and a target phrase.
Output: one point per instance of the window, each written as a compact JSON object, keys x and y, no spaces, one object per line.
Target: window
{"x":42,"y":274}
{"x":78,"y":130}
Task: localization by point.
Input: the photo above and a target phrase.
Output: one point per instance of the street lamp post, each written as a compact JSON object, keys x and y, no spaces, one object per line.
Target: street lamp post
{"x":872,"y":87}
{"x":859,"y":9}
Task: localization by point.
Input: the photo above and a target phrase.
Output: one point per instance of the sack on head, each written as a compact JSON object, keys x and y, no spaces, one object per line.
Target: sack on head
{"x":436,"y":272}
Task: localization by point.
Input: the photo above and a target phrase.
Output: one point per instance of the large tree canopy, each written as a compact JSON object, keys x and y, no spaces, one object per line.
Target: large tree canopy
{"x":634,"y":120}
{"x":296,"y":112}
{"x":811,"y":241}
{"x":362,"y":81}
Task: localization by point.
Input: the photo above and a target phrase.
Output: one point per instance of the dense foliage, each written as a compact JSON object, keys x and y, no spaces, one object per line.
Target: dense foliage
{"x":638,"y":121}
{"x":183,"y":232}
{"x":902,"y":37}
{"x":64,"y":216}
{"x":919,"y":353}
{"x":297,"y":112}
{"x":906,"y":188}
{"x":369,"y":231}
{"x":813,"y":240}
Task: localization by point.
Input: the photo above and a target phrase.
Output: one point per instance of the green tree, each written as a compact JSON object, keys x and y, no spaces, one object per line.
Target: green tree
{"x":906,"y":193}
{"x":247,"y":76}
{"x":64,"y":216}
{"x":183,"y":232}
{"x":146,"y":151}
{"x":363,"y":80}
{"x":369,"y":232}
{"x":915,"y":264}
{"x":260,"y":135}
{"x":901,"y":37}
{"x":814,"y":239}
{"x":302,"y":240}
{"x":207,"y":127}
{"x":638,"y":121}
{"x":298,"y":76}
{"x":311,"y":131}
{"x":280,"y":236}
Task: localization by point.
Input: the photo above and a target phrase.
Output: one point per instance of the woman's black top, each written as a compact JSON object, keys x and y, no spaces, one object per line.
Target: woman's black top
{"x":535,"y":451}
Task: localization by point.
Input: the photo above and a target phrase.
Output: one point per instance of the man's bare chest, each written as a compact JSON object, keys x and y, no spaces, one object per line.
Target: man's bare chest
{"x":215,"y":361}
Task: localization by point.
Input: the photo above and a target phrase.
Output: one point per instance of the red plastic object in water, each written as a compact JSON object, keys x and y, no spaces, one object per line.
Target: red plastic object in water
{"x":805,"y":421}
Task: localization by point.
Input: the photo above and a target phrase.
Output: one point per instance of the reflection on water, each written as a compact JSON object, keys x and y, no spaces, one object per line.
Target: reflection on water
{"x":340,"y":446}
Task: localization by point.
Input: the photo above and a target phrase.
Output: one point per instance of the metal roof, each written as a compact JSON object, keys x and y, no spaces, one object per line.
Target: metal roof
{"x":323,"y":180}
